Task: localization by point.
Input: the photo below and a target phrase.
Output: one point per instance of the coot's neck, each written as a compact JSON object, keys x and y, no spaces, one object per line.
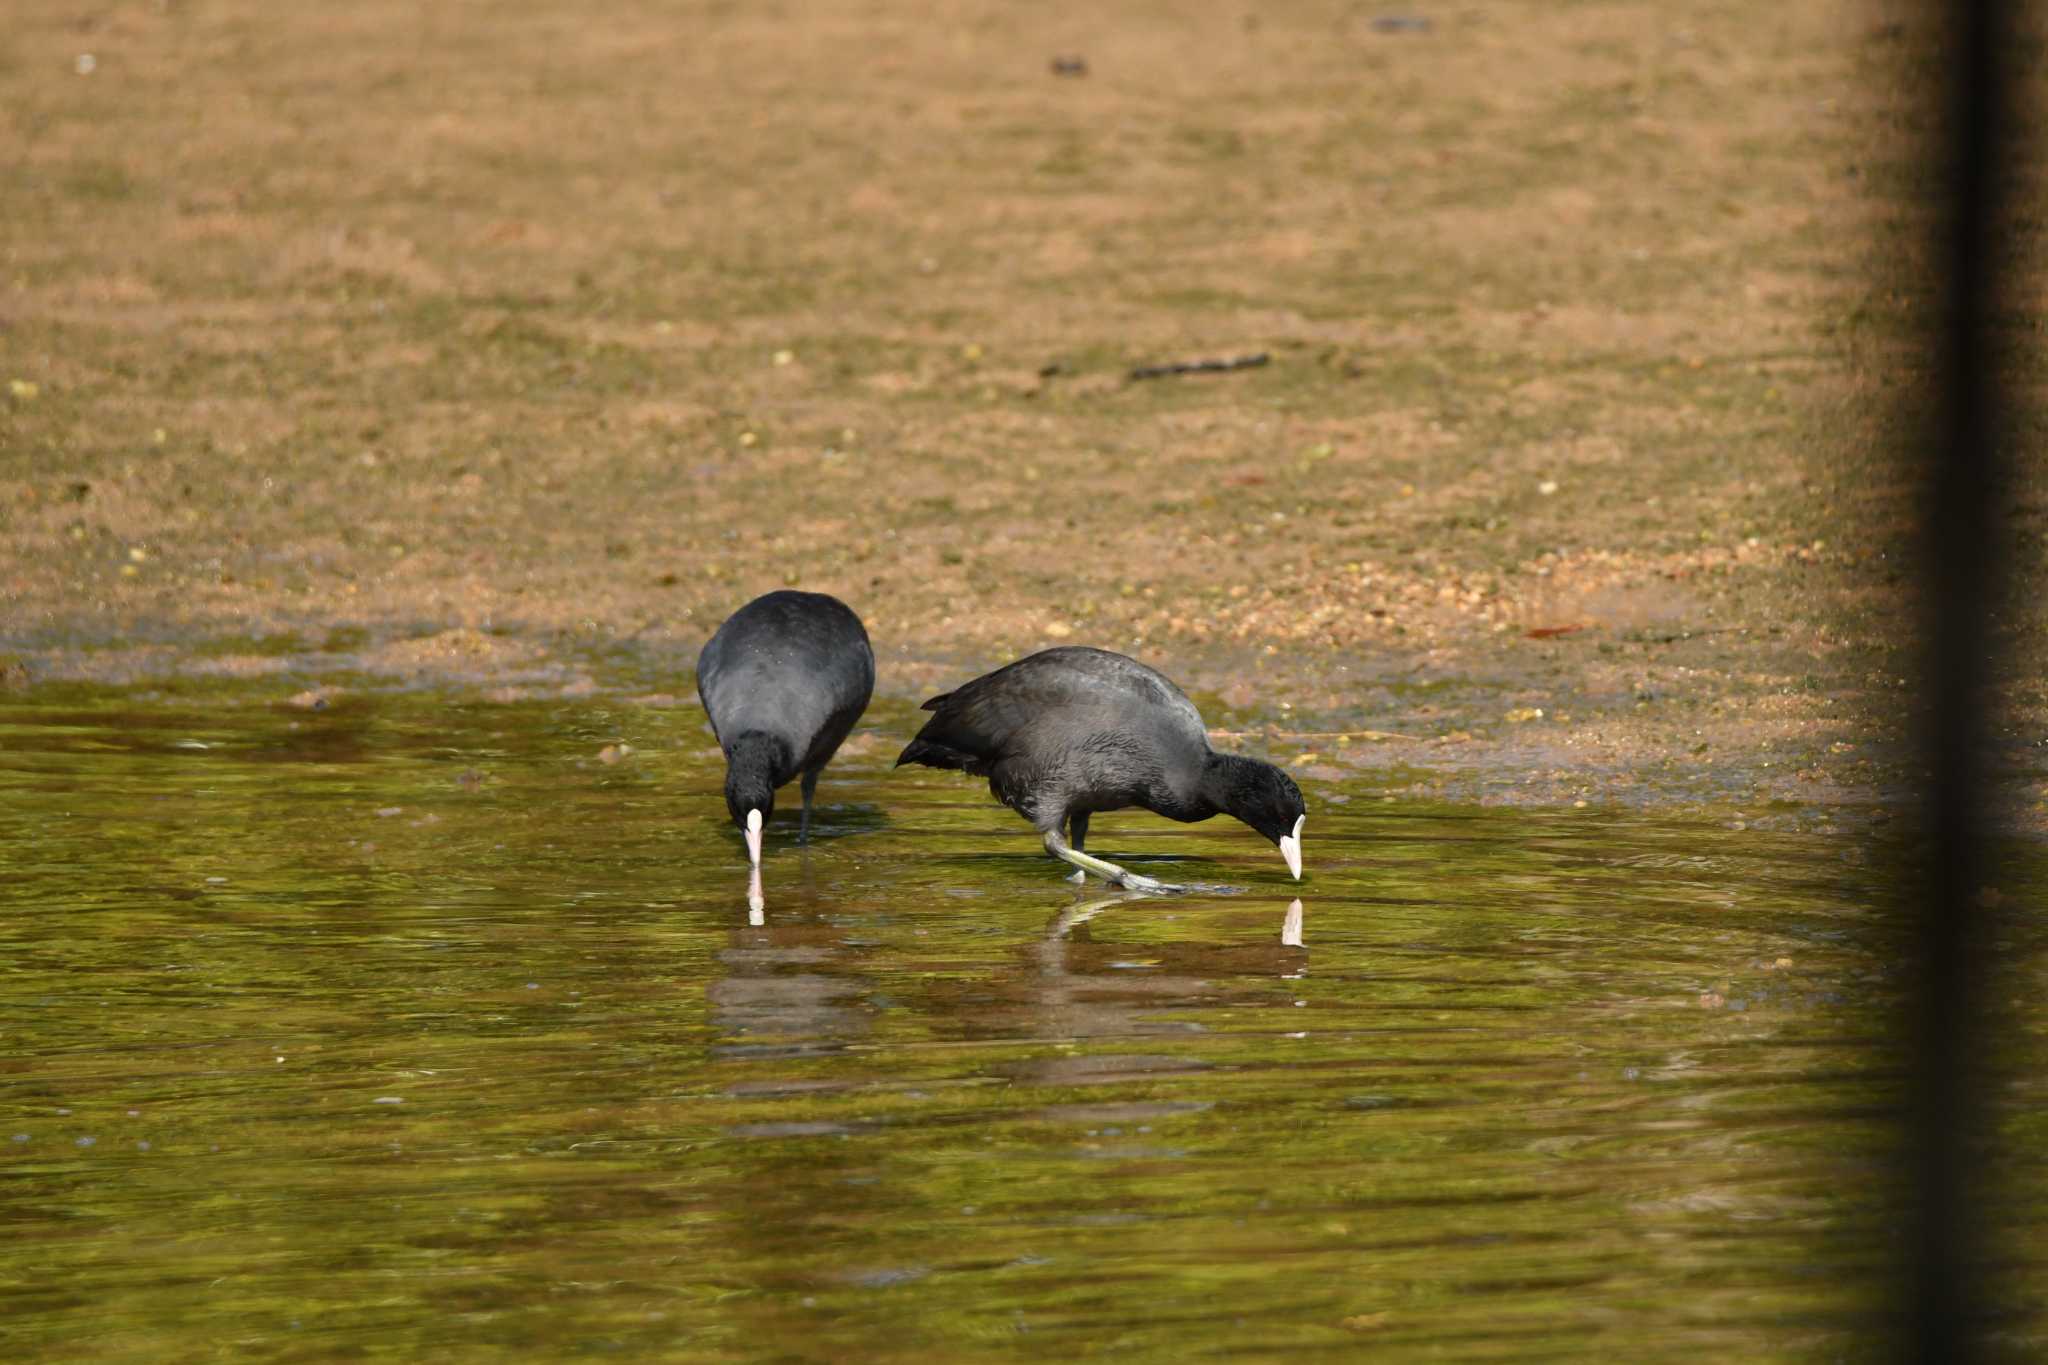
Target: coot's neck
{"x":1225,"y":780}
{"x":754,"y":762}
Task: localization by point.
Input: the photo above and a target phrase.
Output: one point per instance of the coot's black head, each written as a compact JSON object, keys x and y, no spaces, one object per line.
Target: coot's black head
{"x":1266,"y":799}
{"x":750,"y":798}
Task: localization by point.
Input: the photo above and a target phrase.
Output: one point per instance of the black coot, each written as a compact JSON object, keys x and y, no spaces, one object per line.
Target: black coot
{"x":783,"y":681}
{"x":1071,"y":731}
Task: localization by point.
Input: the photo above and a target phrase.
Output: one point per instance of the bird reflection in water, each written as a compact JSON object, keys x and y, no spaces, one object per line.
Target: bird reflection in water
{"x":790,"y":986}
{"x":1082,"y":989}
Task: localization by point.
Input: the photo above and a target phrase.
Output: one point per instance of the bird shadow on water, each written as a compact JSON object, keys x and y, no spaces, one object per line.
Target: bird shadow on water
{"x":839,"y":820}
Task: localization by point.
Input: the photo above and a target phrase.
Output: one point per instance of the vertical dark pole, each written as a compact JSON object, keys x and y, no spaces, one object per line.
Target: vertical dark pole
{"x":1948,"y":1096}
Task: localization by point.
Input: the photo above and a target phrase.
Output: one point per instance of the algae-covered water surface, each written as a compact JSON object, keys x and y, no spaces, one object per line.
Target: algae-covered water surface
{"x":425,"y":1028}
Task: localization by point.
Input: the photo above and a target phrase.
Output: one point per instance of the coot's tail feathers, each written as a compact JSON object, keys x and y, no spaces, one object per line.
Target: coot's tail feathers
{"x":936,"y":702}
{"x":933,"y":755}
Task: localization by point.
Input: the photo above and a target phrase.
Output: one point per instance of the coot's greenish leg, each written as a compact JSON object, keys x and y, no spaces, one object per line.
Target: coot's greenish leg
{"x":810,"y":784}
{"x":1077,"y":832}
{"x":1056,"y":845}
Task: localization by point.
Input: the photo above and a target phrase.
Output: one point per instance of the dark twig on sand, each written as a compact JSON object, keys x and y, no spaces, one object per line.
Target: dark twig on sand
{"x":1645,"y":638}
{"x":1242,"y":362}
{"x":1314,"y":734}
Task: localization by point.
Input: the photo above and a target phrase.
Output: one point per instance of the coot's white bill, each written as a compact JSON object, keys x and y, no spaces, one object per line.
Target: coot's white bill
{"x":754,"y":839}
{"x":1290,"y":847}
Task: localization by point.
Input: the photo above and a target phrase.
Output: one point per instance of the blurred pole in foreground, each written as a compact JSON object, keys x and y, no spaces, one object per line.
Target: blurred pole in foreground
{"x":1949,"y":1111}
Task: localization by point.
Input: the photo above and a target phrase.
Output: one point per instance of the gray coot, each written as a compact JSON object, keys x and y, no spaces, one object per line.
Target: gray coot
{"x":1071,"y":731}
{"x":783,"y":681}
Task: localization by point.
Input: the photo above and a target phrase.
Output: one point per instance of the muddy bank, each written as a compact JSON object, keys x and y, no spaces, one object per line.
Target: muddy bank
{"x":474,"y":362}
{"x":1592,"y":722}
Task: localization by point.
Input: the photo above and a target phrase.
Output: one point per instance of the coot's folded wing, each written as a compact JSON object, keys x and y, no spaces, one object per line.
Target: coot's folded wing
{"x":717,"y":687}
{"x":1035,"y":700}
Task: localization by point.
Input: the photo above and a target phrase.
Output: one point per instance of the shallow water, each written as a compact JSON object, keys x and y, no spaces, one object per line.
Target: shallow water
{"x":412,"y":1028}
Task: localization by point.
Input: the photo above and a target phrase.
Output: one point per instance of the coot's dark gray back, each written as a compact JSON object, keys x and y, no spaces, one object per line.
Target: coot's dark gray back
{"x":1060,"y":696}
{"x":791,"y":664}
